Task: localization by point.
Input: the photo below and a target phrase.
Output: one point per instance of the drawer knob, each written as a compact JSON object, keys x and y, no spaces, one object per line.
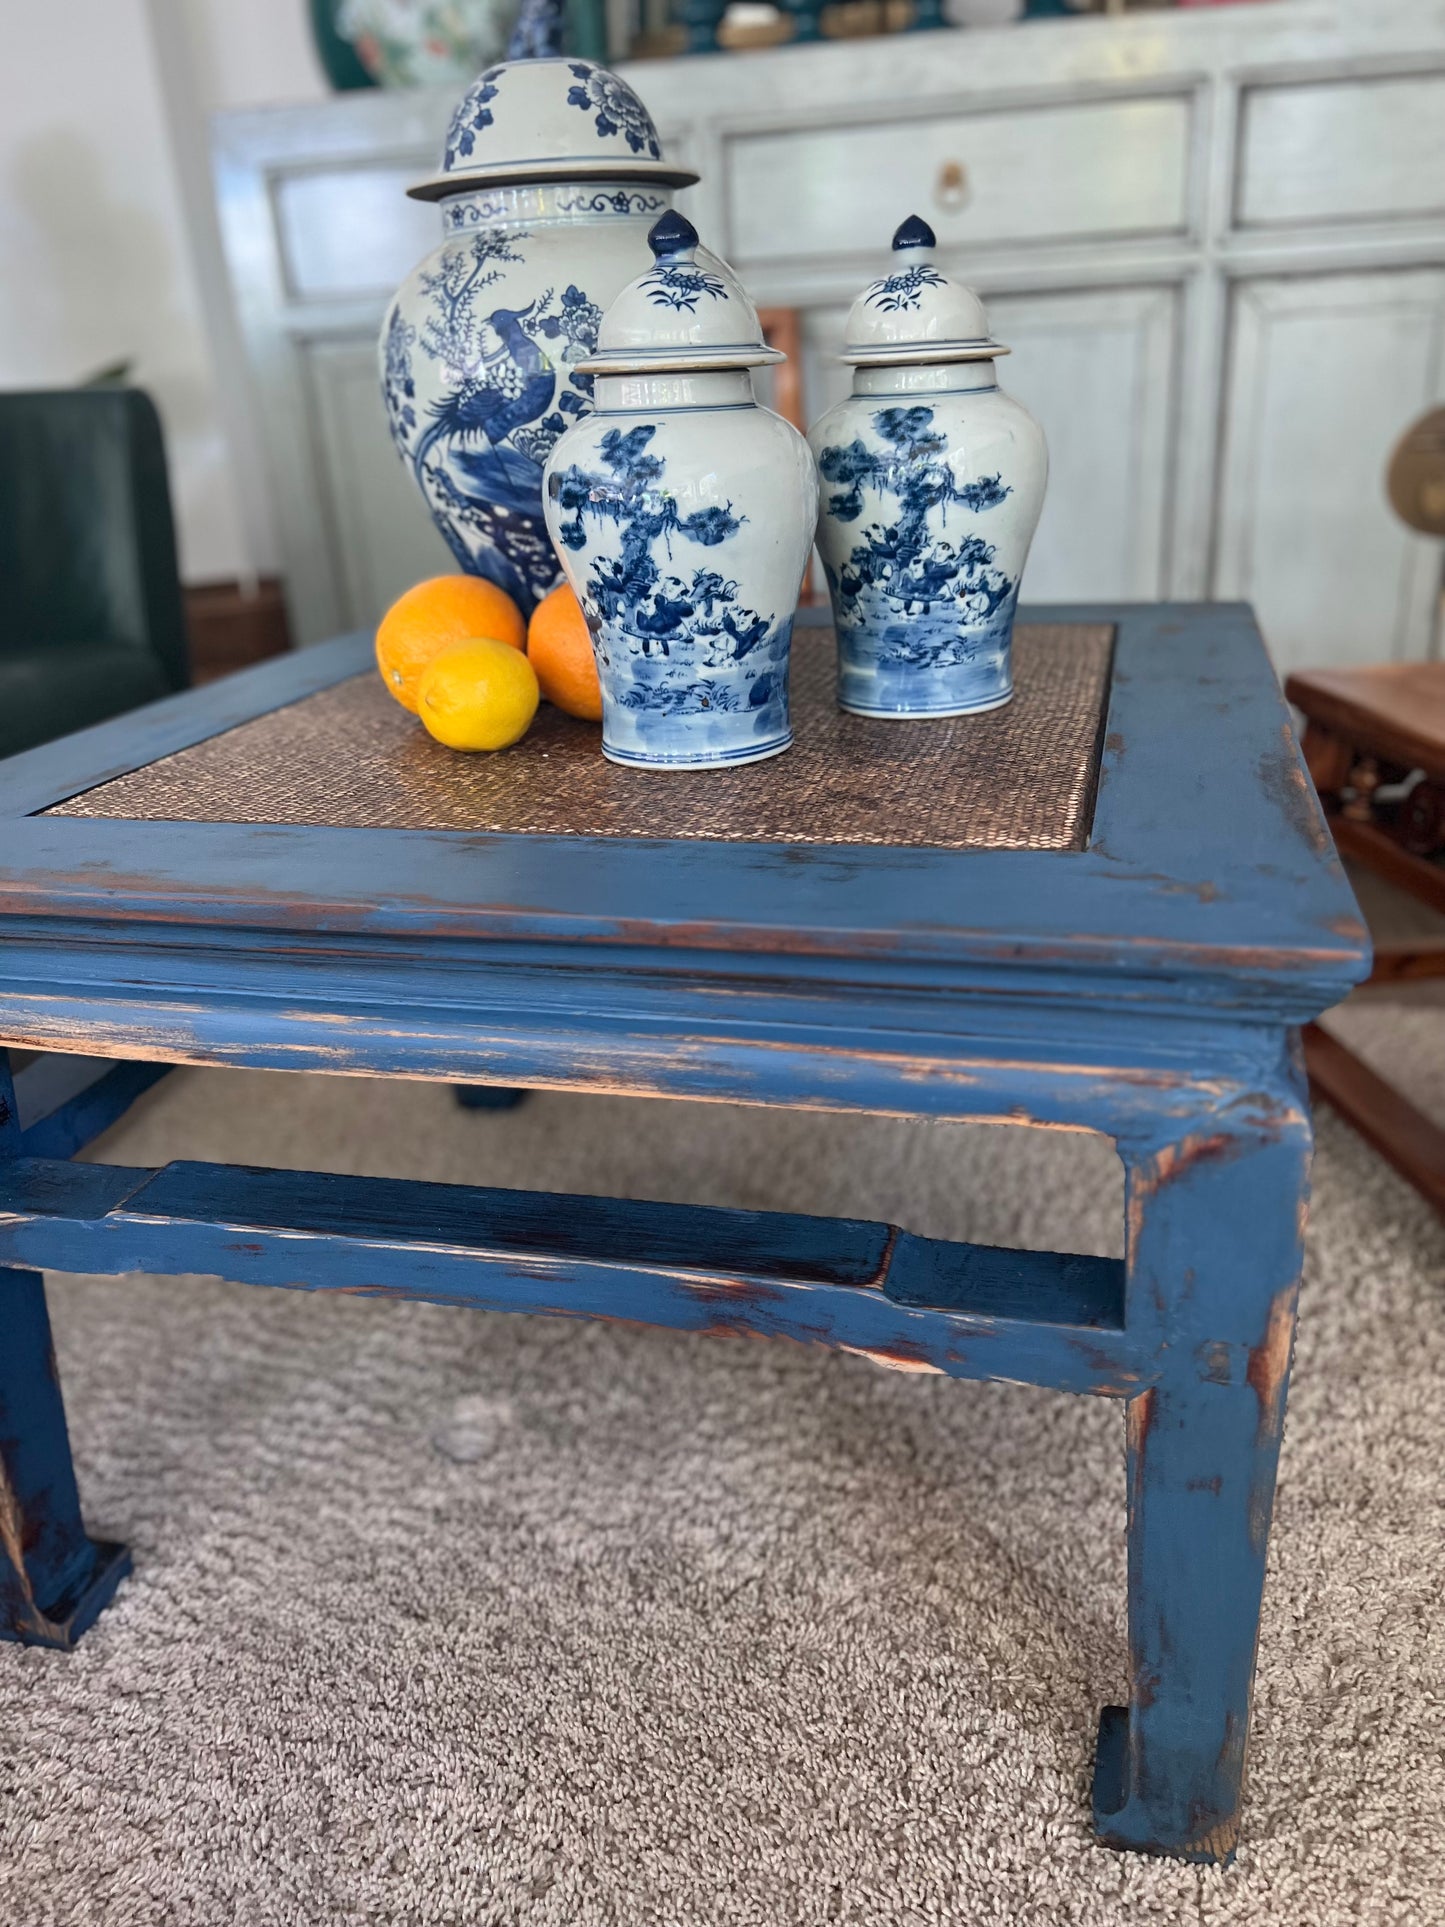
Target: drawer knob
{"x":950,"y":190}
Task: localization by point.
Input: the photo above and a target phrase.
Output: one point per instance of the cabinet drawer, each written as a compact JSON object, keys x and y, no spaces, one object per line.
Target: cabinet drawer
{"x":1372,"y":148}
{"x":1075,"y":171}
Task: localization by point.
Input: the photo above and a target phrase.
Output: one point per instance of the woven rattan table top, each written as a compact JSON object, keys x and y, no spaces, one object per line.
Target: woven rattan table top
{"x":1018,"y":778}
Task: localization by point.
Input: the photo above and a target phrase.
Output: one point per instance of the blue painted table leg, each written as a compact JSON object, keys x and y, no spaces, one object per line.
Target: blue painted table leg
{"x":53,"y":1579}
{"x":1215,"y":1229}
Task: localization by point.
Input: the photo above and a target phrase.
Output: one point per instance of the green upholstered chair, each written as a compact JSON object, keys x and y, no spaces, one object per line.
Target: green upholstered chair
{"x":91,"y":616}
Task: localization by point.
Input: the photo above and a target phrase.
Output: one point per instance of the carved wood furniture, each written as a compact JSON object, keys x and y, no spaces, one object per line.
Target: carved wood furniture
{"x":1374,"y":743}
{"x":1106,"y":907}
{"x":1189,"y":225}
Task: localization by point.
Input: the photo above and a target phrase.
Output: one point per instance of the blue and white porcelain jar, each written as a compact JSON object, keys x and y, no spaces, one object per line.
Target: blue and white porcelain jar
{"x":932,"y":481}
{"x":683,"y":515}
{"x":551,"y":177}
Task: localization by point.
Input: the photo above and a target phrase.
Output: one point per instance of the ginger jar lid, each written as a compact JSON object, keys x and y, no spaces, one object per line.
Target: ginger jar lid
{"x":549,"y":120}
{"x":688,"y":312}
{"x":916,"y":313}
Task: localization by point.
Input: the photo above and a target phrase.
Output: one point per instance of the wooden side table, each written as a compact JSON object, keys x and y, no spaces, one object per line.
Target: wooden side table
{"x":1105,"y":907}
{"x":1375,"y":745}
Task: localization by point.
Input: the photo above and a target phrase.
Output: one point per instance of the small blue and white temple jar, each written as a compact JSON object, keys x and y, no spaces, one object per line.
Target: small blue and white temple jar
{"x":551,"y":176}
{"x":683,"y":516}
{"x":932,"y":481}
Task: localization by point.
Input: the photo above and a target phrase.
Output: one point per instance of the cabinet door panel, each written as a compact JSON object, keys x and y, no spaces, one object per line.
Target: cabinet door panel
{"x":384,"y":537}
{"x":1096,"y":367}
{"x":1325,"y":372}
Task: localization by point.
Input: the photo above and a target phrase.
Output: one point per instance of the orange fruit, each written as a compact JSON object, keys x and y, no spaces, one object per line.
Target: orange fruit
{"x":560,"y":649}
{"x":424,"y":621}
{"x":480,"y":694}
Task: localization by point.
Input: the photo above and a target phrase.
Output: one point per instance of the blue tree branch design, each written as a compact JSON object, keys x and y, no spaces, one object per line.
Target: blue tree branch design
{"x":452,"y":331}
{"x":630,"y":590}
{"x":398,"y":383}
{"x":480,"y":453}
{"x":902,"y":561}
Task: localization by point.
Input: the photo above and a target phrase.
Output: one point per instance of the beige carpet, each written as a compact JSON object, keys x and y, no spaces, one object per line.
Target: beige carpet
{"x":442,"y":1617}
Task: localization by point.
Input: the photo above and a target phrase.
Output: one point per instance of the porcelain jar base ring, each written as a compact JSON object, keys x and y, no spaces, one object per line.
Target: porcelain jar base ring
{"x":730,"y":759}
{"x":914,"y":714}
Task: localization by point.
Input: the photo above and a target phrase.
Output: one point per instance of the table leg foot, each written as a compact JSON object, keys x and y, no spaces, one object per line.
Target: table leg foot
{"x":54,"y":1579}
{"x":1122,"y":1821}
{"x":487,"y":1097}
{"x":60,"y":1624}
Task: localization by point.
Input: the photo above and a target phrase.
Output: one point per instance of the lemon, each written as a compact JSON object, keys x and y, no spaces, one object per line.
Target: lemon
{"x":480,"y":694}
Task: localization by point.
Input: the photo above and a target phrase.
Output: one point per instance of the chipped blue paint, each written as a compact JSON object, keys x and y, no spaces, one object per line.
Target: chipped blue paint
{"x":1215,"y":1250}
{"x":54,"y":1580}
{"x":1144,"y":987}
{"x":915,"y":1304}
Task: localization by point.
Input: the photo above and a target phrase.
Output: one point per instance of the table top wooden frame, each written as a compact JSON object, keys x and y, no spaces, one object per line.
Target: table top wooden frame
{"x":1209,"y":896}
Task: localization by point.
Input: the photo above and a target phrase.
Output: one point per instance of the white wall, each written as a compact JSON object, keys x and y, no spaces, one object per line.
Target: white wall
{"x":252,"y":53}
{"x":99,"y":260}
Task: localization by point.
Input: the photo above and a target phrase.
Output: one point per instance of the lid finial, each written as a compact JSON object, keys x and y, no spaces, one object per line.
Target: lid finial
{"x":687,"y":314}
{"x":671,"y":235}
{"x":913,"y":233}
{"x":915,"y":315}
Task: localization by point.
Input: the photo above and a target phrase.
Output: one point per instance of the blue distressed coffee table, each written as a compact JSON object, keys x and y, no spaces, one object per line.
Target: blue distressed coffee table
{"x":1108,"y":907}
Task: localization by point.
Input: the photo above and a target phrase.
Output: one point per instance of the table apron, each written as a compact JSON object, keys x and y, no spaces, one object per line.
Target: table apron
{"x":1009,"y":1046}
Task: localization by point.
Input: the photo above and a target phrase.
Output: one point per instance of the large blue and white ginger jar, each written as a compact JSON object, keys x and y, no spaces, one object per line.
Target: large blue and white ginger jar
{"x":683,"y":516}
{"x":931,"y":484}
{"x":551,"y":176}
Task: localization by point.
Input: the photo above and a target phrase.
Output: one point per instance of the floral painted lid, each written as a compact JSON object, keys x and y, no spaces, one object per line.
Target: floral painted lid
{"x":916,"y":314}
{"x":549,"y":120}
{"x":689,"y":311}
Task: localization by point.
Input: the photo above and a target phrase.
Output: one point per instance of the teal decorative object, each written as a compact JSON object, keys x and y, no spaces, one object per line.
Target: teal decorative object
{"x":586,"y":31}
{"x":701,"y":19}
{"x":419,"y":43}
{"x":343,"y":69}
